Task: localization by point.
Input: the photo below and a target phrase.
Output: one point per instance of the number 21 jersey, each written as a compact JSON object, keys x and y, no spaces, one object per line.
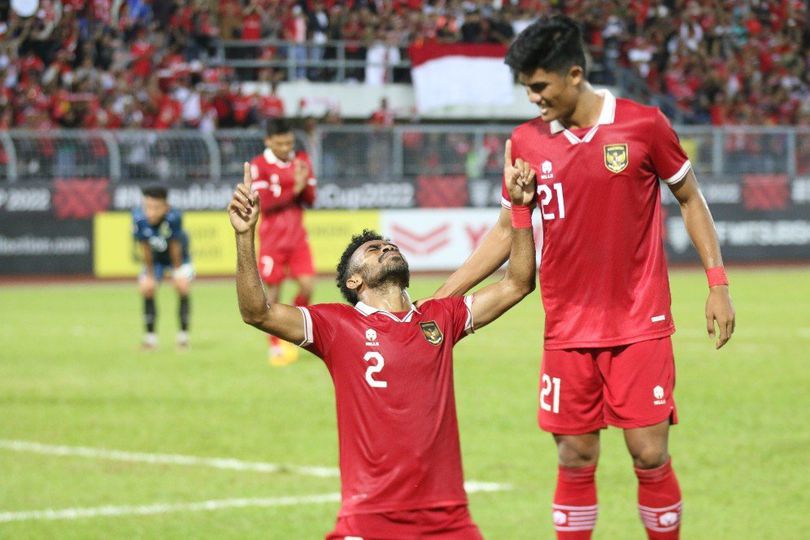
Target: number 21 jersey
{"x":603,"y":273}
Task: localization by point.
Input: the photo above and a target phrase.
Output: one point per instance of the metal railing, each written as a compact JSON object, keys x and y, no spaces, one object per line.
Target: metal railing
{"x":344,"y":153}
{"x":335,"y":61}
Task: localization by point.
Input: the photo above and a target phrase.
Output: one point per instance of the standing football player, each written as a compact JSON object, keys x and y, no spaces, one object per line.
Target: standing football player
{"x":392,"y":367}
{"x":285,"y":184}
{"x":158,"y":230}
{"x":607,"y":357}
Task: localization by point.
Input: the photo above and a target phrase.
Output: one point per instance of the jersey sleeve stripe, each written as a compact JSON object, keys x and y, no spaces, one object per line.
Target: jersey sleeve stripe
{"x":678,"y":176}
{"x":469,"y":326}
{"x":309,"y":338}
{"x":506,"y":204}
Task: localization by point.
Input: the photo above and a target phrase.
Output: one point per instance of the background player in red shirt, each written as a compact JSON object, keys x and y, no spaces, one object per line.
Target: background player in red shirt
{"x":607,"y":356}
{"x":392,"y":367}
{"x":285,"y":184}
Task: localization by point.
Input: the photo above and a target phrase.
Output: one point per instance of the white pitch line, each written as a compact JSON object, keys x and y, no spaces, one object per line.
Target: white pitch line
{"x":162,"y":508}
{"x":472,"y":486}
{"x":172,"y":459}
{"x":202,"y":506}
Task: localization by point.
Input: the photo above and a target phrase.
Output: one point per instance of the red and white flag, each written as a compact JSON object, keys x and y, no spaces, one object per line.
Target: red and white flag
{"x":460,"y":74}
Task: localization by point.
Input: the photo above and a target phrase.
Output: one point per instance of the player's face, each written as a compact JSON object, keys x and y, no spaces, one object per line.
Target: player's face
{"x":281,"y":144}
{"x":381,"y":262}
{"x":554,"y":93}
{"x":155,"y":209}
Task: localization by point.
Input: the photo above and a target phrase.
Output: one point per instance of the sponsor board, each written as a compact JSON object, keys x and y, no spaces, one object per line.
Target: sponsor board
{"x":330,"y":231}
{"x":27,"y":199}
{"x":760,"y":236}
{"x":213,"y":250}
{"x":437,"y":239}
{"x":367,"y":195}
{"x":209,"y":196}
{"x":37,"y":244}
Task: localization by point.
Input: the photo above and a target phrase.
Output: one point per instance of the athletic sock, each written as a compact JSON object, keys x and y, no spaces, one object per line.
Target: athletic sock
{"x":184,"y":311}
{"x":575,"y":509}
{"x":301,"y":300}
{"x":659,"y":502}
{"x":149,"y":314}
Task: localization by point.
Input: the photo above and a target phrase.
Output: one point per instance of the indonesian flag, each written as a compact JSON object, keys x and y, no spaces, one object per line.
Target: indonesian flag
{"x":460,"y":74}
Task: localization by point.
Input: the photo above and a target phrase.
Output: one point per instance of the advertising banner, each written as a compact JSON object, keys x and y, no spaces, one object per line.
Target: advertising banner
{"x":36,"y":244}
{"x":759,"y":218}
{"x":330,"y":231}
{"x":437,"y":239}
{"x":211,"y":240}
{"x":213,"y":250}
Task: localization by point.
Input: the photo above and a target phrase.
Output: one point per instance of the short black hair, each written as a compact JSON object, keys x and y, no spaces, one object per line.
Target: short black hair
{"x":343,"y":267}
{"x":156,"y":192}
{"x":277,"y":126}
{"x":552,"y":44}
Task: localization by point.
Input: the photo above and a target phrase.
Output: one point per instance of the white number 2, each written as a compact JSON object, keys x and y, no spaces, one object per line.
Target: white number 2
{"x":376,"y":368}
{"x":550,"y":384}
{"x":545,"y":197}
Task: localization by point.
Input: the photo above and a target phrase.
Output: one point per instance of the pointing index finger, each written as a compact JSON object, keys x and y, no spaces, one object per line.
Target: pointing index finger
{"x":247,"y":177}
{"x":507,"y":152}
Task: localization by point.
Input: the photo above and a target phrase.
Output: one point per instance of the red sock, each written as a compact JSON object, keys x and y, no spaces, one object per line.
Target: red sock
{"x":659,"y":502}
{"x":574,"y":508}
{"x":301,"y":300}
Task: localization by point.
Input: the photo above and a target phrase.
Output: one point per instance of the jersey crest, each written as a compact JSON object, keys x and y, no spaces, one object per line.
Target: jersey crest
{"x":616,"y":157}
{"x":432,"y":333}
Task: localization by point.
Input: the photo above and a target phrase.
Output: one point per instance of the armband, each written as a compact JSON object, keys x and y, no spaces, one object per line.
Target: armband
{"x":717,"y":276}
{"x":521,"y":217}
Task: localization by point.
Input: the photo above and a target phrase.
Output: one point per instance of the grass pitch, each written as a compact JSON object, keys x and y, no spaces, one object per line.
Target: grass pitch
{"x":71,"y":375}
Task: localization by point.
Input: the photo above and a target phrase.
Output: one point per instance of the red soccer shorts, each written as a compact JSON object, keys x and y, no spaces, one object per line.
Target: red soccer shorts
{"x":630,"y":386}
{"x":275,"y":265}
{"x":444,"y":523}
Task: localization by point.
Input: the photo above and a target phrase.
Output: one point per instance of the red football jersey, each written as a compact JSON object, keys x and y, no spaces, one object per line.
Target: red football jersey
{"x":603,"y":272}
{"x":282,"y":222}
{"x":396,"y":412}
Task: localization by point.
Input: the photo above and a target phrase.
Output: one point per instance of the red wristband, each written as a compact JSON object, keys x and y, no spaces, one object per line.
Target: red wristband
{"x":521,"y":217}
{"x":717,"y":276}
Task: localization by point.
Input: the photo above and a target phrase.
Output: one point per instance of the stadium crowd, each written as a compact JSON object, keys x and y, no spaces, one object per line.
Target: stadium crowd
{"x":147,"y":63}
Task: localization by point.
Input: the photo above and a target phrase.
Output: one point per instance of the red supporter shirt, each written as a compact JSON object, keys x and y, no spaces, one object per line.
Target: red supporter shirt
{"x":396,"y":413}
{"x":282,"y":223}
{"x":603,"y":271}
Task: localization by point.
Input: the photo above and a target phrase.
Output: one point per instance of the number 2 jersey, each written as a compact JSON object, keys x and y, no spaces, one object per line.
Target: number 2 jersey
{"x":282,"y":223}
{"x":396,"y":412}
{"x":603,"y":273}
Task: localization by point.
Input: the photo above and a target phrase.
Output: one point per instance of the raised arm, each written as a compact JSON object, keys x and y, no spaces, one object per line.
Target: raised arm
{"x":493,"y":250}
{"x":490,"y":255}
{"x":493,"y":300}
{"x":286,"y":322}
{"x":700,"y":226}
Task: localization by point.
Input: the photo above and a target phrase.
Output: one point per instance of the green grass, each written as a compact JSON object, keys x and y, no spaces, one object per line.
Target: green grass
{"x":71,"y":374}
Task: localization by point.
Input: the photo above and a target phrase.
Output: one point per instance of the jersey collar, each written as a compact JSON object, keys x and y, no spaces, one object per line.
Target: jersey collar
{"x":271,"y":158}
{"x":606,"y":116}
{"x":367,"y":310}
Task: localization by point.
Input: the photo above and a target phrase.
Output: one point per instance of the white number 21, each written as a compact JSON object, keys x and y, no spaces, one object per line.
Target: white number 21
{"x":551,"y":385}
{"x":376,"y":368}
{"x":545,"y":197}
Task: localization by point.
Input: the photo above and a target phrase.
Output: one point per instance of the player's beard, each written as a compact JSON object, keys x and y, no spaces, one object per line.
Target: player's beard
{"x":393,"y":271}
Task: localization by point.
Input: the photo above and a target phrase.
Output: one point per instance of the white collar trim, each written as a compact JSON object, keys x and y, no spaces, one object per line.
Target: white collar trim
{"x":271,"y":158}
{"x":606,"y":116}
{"x":367,"y":310}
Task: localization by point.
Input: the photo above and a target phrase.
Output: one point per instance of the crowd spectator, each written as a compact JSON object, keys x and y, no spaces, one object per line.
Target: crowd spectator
{"x":150,"y":64}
